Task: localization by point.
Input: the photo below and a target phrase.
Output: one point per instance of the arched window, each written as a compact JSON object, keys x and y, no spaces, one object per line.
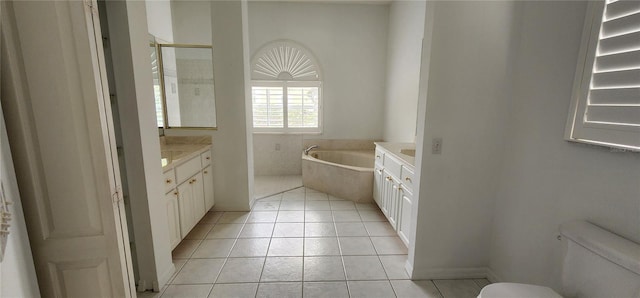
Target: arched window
{"x":286,"y":89}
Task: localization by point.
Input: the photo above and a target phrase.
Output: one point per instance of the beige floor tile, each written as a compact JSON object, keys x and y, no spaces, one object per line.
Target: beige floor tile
{"x":262,"y":216}
{"x":241,"y":290}
{"x":316,"y":196}
{"x":214,"y":248}
{"x":181,"y":291}
{"x":323,"y":269}
{"x":199,"y":271}
{"x":293,"y":196}
{"x":280,"y":290}
{"x":379,"y":229}
{"x":363,"y":268}
{"x":257,"y":230}
{"x":199,"y":231}
{"x":342,"y":205}
{"x":356,"y":246}
{"x":286,"y":229}
{"x":371,"y":289}
{"x":222,"y":230}
{"x":372,"y":215}
{"x":234,"y":217}
{"x":292,"y":206}
{"x":185,"y":249}
{"x":237,"y":270}
{"x":366,"y":206}
{"x":318,"y":216}
{"x":346,"y":216}
{"x":321,"y":229}
{"x":317,"y":206}
{"x":290,"y":216}
{"x":415,"y":289}
{"x":482,"y":282}
{"x":286,"y":247}
{"x":266,"y":205}
{"x":250,"y":247}
{"x":282,"y":269}
{"x":389,"y":246}
{"x":394,"y":266}
{"x":331,"y":289}
{"x":350,"y":229}
{"x":211,"y":217}
{"x":321,"y":247}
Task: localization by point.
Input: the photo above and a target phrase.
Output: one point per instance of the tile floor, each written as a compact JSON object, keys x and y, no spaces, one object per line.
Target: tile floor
{"x":301,"y":243}
{"x":264,"y":186}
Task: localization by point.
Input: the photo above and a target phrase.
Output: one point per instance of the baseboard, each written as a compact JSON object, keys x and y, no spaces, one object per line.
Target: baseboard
{"x":409,"y":268}
{"x":448,"y":273}
{"x":492,"y":276}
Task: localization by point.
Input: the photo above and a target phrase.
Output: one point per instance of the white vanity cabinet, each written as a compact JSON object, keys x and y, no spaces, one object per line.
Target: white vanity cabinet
{"x":393,"y":190}
{"x":189,"y":193}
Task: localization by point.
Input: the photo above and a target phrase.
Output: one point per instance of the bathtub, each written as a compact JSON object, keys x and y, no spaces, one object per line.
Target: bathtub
{"x":346,"y":174}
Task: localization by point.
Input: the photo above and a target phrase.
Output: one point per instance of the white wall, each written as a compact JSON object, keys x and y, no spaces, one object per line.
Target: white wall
{"x":141,"y":145}
{"x":191,"y":22}
{"x":547,"y":181}
{"x":467,"y":106}
{"x":284,"y":161}
{"x":404,"y":48}
{"x":231,"y":152}
{"x":159,"y":19}
{"x":349,"y":41}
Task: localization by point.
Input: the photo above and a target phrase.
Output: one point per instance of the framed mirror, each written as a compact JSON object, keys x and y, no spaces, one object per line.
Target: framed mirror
{"x":183,"y":86}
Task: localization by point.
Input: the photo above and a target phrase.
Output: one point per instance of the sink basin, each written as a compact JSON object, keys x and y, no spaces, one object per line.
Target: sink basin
{"x":408,"y":152}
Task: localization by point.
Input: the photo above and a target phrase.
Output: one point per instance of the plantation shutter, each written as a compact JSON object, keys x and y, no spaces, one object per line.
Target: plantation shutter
{"x":608,"y":109}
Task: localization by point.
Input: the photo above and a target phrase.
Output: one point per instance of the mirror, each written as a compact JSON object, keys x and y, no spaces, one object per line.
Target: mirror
{"x":183,"y":86}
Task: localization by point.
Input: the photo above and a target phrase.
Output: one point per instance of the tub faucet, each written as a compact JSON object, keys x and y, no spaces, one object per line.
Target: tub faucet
{"x":306,"y":151}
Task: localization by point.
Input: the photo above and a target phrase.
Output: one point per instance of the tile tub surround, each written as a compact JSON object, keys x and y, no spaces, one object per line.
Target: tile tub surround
{"x":348,"y":179}
{"x":306,"y":254}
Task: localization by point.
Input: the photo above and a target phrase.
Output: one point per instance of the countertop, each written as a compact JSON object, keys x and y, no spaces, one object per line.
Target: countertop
{"x":394,"y":148}
{"x":174,"y":154}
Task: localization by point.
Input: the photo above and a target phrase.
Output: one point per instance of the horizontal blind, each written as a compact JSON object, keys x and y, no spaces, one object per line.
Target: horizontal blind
{"x":614,"y":92}
{"x":268,"y":107}
{"x":303,"y":107}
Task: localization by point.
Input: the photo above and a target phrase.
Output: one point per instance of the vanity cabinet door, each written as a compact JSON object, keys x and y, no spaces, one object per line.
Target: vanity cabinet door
{"x":186,"y":204}
{"x":198,"y":197}
{"x":404,"y":220}
{"x":173,"y":218}
{"x":377,"y":186}
{"x":392,"y":206}
{"x":207,"y":181}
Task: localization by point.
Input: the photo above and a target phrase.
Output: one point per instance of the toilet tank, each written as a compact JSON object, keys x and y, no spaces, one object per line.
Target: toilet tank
{"x":598,"y":263}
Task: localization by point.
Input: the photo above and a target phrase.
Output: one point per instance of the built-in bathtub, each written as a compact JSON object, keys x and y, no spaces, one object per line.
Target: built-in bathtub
{"x":346,"y":174}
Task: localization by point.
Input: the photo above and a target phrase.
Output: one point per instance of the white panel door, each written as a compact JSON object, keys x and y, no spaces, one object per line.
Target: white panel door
{"x":173,"y":217}
{"x":185,"y":203}
{"x":404,"y":214}
{"x":198,"y":198}
{"x":61,"y":123}
{"x":207,"y":181}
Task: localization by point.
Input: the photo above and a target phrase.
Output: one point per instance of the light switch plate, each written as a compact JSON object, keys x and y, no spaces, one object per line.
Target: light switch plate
{"x":436,"y":146}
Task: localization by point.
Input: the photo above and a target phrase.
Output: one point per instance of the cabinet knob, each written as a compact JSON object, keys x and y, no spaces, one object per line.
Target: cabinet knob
{"x":169,"y":181}
{"x":206,"y":172}
{"x":377,"y":156}
{"x":388,"y":178}
{"x":175,"y":193}
{"x":408,"y":179}
{"x":207,"y":158}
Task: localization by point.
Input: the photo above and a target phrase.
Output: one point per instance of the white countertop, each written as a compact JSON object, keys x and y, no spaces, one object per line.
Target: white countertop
{"x":394,"y":148}
{"x":175,"y":154}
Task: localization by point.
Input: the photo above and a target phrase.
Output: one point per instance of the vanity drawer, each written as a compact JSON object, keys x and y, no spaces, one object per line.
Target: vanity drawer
{"x":391,"y":165}
{"x":188,"y":169}
{"x":169,"y":180}
{"x":206,"y":158}
{"x":406,"y":178}
{"x":379,"y":156}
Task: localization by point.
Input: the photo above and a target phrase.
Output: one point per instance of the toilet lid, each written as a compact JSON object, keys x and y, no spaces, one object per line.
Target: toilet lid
{"x":510,"y":290}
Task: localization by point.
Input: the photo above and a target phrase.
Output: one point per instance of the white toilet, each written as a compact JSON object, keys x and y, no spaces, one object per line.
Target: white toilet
{"x":597,"y":263}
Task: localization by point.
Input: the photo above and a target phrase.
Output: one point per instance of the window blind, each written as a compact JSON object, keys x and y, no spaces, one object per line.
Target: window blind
{"x":268,"y":107}
{"x":608,"y":100}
